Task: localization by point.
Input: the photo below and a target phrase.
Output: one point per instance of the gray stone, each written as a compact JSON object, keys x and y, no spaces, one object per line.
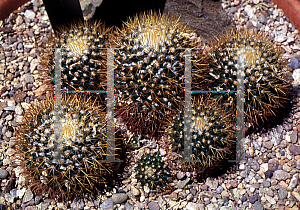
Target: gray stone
{"x":203,"y":187}
{"x":27,"y":196}
{"x":13,"y":192}
{"x":268,"y":144}
{"x":108,"y":204}
{"x":258,"y":206}
{"x":294,"y":62}
{"x":44,"y":205}
{"x":282,"y":193}
{"x":77,"y":204}
{"x":3,"y":174}
{"x":37,"y":200}
{"x":181,"y":184}
{"x":212,"y":184}
{"x":219,"y":189}
{"x":9,"y":198}
{"x":295,"y":150}
{"x":293,"y":182}
{"x":253,"y":199}
{"x":153,"y":206}
{"x":192,"y":206}
{"x":128,"y":206}
{"x":294,"y":137}
{"x":232,"y":10}
{"x":29,"y":78}
{"x":119,"y":198}
{"x":262,"y":19}
{"x":266,"y":184}
{"x":31,"y":208}
{"x":281,"y":175}
{"x":254,"y":165}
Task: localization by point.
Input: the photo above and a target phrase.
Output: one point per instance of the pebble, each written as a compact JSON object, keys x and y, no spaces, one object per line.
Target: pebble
{"x":3,"y":174}
{"x":257,"y":206}
{"x":295,"y":150}
{"x":192,"y":206}
{"x":79,"y":204}
{"x":219,"y":190}
{"x":27,"y":196}
{"x":29,"y":14}
{"x":294,"y":62}
{"x":153,"y":206}
{"x":181,"y":184}
{"x":281,"y":175}
{"x":282,"y":193}
{"x":119,"y":198}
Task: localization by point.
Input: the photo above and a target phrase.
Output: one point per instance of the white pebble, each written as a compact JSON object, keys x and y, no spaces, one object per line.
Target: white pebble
{"x":29,"y":14}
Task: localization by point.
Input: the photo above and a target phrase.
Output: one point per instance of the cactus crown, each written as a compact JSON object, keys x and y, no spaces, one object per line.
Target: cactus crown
{"x":150,"y":70}
{"x":83,"y":146}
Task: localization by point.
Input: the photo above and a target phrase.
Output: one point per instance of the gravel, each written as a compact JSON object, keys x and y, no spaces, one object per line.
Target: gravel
{"x":267,"y":179}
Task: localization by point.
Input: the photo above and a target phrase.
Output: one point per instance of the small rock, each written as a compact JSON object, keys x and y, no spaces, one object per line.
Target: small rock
{"x":119,"y":198}
{"x":3,"y":174}
{"x":128,"y":206}
{"x":31,"y":208}
{"x":173,"y":196}
{"x":282,"y":193}
{"x":281,"y":175}
{"x":243,"y":199}
{"x":13,"y":192}
{"x":9,"y":198}
{"x":254,"y":165}
{"x":295,"y":150}
{"x":180,"y":175}
{"x":203,"y":187}
{"x":219,"y":189}
{"x":27,"y":196}
{"x":262,"y":19}
{"x":296,"y":195}
{"x":44,"y":205}
{"x":20,"y":193}
{"x":135,"y":191}
{"x":294,"y":181}
{"x":258,"y":206}
{"x":29,"y":14}
{"x":235,"y":193}
{"x":19,"y":20}
{"x":192,"y":206}
{"x":280,"y":38}
{"x":29,"y":78}
{"x":294,"y":62}
{"x":270,"y":199}
{"x":212,"y":184}
{"x":181,"y":184}
{"x":153,"y":206}
{"x":146,"y":189}
{"x":161,"y":201}
{"x":232,"y":10}
{"x":294,"y":137}
{"x":266,"y":184}
{"x":79,"y":204}
{"x":253,"y":199}
{"x":37,"y":200}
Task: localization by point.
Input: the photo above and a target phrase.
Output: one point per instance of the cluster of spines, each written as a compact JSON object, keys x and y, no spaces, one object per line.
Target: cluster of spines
{"x":83,"y":56}
{"x":212,"y":134}
{"x":152,"y":171}
{"x":82,"y":167}
{"x":149,"y":70}
{"x":267,"y":86}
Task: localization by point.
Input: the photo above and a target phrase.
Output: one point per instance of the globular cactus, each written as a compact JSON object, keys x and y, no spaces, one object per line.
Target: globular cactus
{"x":83,"y":147}
{"x":266,"y":77}
{"x":212,"y":134}
{"x":83,"y":56}
{"x":152,"y":171}
{"x":149,"y":71}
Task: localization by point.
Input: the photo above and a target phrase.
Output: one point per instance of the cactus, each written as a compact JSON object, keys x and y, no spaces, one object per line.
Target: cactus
{"x":212,"y":134}
{"x":83,"y":56}
{"x":83,"y":147}
{"x":266,"y":77}
{"x":149,"y":73}
{"x":151,"y":170}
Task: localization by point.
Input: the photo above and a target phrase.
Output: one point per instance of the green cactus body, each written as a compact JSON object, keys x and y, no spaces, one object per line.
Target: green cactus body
{"x":211,"y":130}
{"x":266,"y":82}
{"x":83,"y":56}
{"x":149,"y":73}
{"x":84,"y":146}
{"x":151,"y":171}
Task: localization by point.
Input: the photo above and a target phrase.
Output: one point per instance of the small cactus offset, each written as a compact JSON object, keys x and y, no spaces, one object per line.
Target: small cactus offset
{"x":149,"y":73}
{"x":83,"y":56}
{"x":266,"y":77}
{"x":212,"y":134}
{"x":83,"y":148}
{"x":152,"y":171}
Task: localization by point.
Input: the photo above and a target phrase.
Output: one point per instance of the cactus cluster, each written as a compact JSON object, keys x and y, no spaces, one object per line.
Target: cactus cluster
{"x":149,"y":73}
{"x":151,"y":170}
{"x":83,"y":56}
{"x":211,"y":131}
{"x":266,"y":82}
{"x":84,"y":147}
